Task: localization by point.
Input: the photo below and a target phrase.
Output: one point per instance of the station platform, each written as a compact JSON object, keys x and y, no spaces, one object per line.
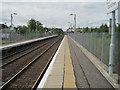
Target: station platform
{"x":71,"y":68}
{"x":24,"y":42}
{"x":60,"y":71}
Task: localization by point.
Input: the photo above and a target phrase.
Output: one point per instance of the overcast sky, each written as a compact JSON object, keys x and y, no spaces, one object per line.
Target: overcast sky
{"x":55,"y":14}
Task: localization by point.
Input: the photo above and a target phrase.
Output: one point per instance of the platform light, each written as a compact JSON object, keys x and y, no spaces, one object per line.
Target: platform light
{"x":74,"y":20}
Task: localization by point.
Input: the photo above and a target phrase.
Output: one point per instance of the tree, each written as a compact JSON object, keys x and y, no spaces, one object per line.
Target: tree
{"x":86,"y":30}
{"x":22,"y":29}
{"x":46,"y":29}
{"x":104,"y":28}
{"x":56,"y":30}
{"x":39,"y":25}
{"x":79,"y":30}
{"x":3,"y":26}
{"x":32,"y":24}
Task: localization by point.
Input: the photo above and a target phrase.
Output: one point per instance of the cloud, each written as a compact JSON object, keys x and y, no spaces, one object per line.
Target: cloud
{"x":55,"y":1}
{"x":55,"y":14}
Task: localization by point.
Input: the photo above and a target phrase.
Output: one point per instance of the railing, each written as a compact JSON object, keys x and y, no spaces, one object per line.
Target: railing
{"x":12,"y":37}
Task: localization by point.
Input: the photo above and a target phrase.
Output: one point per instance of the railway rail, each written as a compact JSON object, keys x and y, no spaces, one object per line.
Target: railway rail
{"x":18,"y":49}
{"x":27,"y":71}
{"x":15,"y":56}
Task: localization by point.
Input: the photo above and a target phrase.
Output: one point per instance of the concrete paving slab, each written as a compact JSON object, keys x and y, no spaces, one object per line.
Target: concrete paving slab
{"x":58,"y":72}
{"x":55,"y":77}
{"x":58,"y":65}
{"x":54,"y":80}
{"x":59,"y":61}
{"x":52,"y":86}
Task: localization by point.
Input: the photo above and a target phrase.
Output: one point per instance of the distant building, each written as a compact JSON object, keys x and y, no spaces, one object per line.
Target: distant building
{"x":5,"y":33}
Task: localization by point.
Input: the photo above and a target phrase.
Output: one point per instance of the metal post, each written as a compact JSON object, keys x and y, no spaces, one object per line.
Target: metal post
{"x":110,"y":25}
{"x":75,"y":21}
{"x":90,"y":39}
{"x":95,"y":41}
{"x":74,"y":27}
{"x":119,"y":12}
{"x":36,"y":26}
{"x":112,"y":46}
{"x":103,"y":48}
{"x":11,"y":20}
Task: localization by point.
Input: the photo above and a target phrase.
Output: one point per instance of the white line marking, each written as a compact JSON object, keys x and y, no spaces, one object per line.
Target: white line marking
{"x":41,"y":85}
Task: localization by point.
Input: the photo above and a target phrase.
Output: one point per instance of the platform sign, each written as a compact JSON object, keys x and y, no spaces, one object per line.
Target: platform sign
{"x":119,"y":12}
{"x":112,"y":5}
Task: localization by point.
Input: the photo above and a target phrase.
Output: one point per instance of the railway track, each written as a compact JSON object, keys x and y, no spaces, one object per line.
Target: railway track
{"x":17,"y":63}
{"x":11,"y":58}
{"x":35,"y":67}
{"x":12,"y":51}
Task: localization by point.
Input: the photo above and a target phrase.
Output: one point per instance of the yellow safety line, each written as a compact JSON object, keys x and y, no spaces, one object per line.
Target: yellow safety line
{"x":69,"y":79}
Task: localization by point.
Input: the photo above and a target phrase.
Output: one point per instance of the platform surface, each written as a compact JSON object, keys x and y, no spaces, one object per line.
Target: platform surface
{"x":23,"y":42}
{"x":86,"y":74}
{"x":71,"y":68}
{"x":61,"y":74}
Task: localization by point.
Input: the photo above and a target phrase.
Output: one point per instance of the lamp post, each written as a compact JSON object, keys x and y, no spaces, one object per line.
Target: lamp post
{"x":12,"y":20}
{"x":119,"y":12}
{"x":74,"y":21}
{"x":70,"y":28}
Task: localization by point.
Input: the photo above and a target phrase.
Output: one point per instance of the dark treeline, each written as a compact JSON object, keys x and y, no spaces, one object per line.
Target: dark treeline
{"x":102,"y":28}
{"x":3,"y":26}
{"x":34,"y":26}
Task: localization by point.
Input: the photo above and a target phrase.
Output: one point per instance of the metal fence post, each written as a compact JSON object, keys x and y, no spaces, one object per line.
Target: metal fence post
{"x":112,"y":46}
{"x":94,"y":43}
{"x":103,"y":44}
{"x":91,"y":42}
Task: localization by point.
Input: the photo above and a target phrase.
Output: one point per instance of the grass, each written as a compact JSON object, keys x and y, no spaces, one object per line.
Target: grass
{"x":4,"y":41}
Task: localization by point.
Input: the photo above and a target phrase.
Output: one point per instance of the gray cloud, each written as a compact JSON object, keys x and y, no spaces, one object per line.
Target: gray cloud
{"x":55,"y":14}
{"x":55,"y":1}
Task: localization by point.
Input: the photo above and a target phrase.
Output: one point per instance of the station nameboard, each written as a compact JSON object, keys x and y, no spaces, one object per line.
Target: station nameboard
{"x":119,"y":12}
{"x":112,"y":5}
